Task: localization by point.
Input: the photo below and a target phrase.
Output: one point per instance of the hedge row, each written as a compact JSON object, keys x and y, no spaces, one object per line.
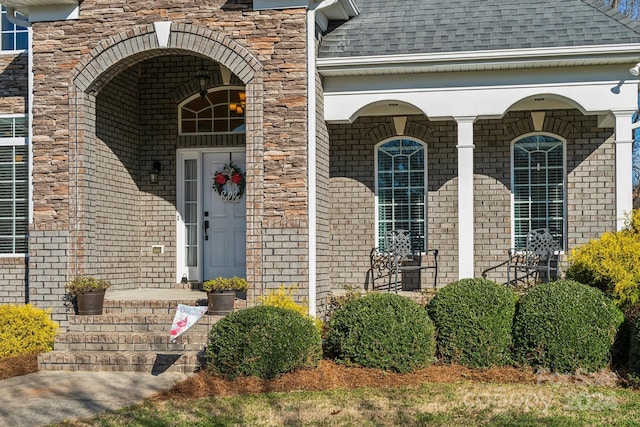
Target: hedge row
{"x":563,"y":326}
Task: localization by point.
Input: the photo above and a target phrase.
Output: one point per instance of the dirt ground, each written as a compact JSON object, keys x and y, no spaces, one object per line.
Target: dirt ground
{"x":329,"y":375}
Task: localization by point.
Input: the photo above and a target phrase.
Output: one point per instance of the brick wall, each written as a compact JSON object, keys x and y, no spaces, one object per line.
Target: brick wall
{"x":590,"y":187}
{"x":109,"y":68}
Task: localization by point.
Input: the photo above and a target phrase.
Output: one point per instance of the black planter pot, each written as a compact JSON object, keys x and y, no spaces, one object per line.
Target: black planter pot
{"x":90,"y":302}
{"x":221,"y":303}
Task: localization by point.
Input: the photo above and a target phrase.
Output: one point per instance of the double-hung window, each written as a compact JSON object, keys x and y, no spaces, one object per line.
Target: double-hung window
{"x":14,"y":185}
{"x":538,"y":187}
{"x":400,"y":189}
{"x":14,"y":37}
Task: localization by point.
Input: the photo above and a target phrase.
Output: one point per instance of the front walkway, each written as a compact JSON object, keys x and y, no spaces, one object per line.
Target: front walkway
{"x":50,"y":397}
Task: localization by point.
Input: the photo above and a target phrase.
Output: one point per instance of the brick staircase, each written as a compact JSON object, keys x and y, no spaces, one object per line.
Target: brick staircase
{"x":130,"y":335}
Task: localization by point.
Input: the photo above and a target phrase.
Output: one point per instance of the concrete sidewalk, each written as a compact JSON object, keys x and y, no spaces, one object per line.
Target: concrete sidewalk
{"x":50,"y":397}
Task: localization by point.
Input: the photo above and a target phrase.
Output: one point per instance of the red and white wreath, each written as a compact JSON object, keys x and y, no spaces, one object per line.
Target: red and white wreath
{"x":229,"y":183}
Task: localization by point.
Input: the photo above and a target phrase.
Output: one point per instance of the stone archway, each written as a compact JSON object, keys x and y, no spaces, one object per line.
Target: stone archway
{"x":113,"y":57}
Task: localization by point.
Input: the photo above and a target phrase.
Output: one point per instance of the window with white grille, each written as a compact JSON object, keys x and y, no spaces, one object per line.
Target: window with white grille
{"x":14,"y":186}
{"x":538,"y":187}
{"x":400,"y":189}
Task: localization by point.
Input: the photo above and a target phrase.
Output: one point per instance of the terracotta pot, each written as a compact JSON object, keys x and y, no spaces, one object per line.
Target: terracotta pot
{"x":90,"y":302}
{"x":221,"y":303}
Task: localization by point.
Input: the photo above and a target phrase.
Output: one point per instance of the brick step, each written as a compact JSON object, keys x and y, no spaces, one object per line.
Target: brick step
{"x":130,"y":341}
{"x":152,"y":362}
{"x":148,"y":307}
{"x":131,"y":335}
{"x":160,"y":323}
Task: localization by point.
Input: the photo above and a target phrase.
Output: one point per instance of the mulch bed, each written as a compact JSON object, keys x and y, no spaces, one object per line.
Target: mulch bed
{"x":330,"y":376}
{"x":18,"y":365}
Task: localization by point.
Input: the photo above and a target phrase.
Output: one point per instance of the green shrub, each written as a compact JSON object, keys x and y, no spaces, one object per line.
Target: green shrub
{"x":610,"y":263}
{"x":474,"y":320}
{"x":25,"y":329}
{"x":565,"y":326}
{"x":384,"y":331}
{"x":263,"y":341}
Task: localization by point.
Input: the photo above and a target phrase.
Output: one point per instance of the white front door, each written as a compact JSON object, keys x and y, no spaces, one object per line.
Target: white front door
{"x":224,"y":223}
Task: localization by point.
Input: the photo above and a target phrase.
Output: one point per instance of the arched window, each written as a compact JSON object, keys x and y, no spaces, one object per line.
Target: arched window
{"x":400,"y":190}
{"x":538,"y":186}
{"x":220,"y":111}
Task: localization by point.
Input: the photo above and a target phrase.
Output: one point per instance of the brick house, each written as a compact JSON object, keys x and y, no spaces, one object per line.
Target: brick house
{"x":468,"y":123}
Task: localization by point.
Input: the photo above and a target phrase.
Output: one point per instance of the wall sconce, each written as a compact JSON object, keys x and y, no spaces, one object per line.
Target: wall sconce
{"x":203,"y":80}
{"x":635,"y":70}
{"x":155,"y":172}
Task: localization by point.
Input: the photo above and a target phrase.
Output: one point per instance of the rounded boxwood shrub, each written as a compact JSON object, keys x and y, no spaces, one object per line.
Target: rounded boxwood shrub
{"x":565,"y":326}
{"x":25,"y":329}
{"x":263,"y":341}
{"x":384,"y":331}
{"x":474,"y":320}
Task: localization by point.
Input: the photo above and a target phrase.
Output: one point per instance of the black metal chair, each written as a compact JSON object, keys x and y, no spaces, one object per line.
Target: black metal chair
{"x":539,"y":261}
{"x":398,"y":257}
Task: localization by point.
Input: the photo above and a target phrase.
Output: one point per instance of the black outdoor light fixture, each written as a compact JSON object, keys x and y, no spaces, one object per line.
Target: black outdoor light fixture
{"x":203,"y":80}
{"x":155,"y":172}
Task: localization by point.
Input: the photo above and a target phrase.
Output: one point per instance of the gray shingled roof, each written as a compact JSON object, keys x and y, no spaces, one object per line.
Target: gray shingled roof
{"x":387,"y":27}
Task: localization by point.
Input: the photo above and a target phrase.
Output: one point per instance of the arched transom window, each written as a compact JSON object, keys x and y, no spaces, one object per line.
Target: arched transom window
{"x":219,"y":111}
{"x":538,"y":186}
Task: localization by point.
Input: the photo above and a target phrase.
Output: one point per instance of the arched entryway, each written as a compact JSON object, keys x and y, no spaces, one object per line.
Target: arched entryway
{"x":126,"y":126}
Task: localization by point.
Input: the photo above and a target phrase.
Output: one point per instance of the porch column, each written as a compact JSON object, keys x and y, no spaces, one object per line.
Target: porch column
{"x":465,"y":197}
{"x":624,"y":168}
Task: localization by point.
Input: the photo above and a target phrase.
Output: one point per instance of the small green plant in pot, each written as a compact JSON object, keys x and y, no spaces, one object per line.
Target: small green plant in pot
{"x":88,"y":293}
{"x":222,"y":292}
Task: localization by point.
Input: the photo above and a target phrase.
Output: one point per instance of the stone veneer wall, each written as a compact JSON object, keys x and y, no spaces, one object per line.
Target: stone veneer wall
{"x":109,"y":38}
{"x":590,"y":187}
{"x":13,"y":100}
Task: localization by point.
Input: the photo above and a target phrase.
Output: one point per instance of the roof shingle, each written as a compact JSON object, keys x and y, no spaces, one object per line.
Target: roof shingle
{"x":389,"y":27}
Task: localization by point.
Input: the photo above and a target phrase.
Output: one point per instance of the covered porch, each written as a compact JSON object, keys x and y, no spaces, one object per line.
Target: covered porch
{"x":507,"y":148}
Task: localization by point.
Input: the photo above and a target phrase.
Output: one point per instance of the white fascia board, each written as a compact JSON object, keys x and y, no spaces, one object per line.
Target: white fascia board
{"x":279,"y":4}
{"x":348,"y":8}
{"x":578,"y":55}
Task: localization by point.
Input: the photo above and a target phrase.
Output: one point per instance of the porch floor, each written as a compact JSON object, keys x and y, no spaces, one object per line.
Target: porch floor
{"x":154,"y":294}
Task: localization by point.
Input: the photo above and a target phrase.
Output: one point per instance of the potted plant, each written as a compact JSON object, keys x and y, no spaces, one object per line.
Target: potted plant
{"x":89,"y":293}
{"x":221,"y":293}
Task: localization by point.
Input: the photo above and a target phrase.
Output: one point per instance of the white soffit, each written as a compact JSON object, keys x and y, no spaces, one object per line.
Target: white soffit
{"x":480,"y":60}
{"x":44,"y":11}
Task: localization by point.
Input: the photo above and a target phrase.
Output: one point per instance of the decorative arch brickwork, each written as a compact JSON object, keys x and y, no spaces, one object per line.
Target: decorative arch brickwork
{"x":115,"y":60}
{"x":130,"y":47}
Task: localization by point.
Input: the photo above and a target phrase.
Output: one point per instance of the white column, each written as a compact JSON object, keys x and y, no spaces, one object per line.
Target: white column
{"x":465,"y":197}
{"x":624,"y":168}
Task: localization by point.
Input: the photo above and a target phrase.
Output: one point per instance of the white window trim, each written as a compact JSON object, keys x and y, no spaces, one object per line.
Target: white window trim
{"x":192,"y":97}
{"x":564,"y":185}
{"x":426,"y":188}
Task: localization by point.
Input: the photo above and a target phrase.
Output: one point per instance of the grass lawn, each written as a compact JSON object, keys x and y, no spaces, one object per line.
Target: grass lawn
{"x":432,"y":404}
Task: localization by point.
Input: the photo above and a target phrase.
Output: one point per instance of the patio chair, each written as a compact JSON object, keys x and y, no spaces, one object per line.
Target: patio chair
{"x":398,"y":257}
{"x":539,"y":261}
